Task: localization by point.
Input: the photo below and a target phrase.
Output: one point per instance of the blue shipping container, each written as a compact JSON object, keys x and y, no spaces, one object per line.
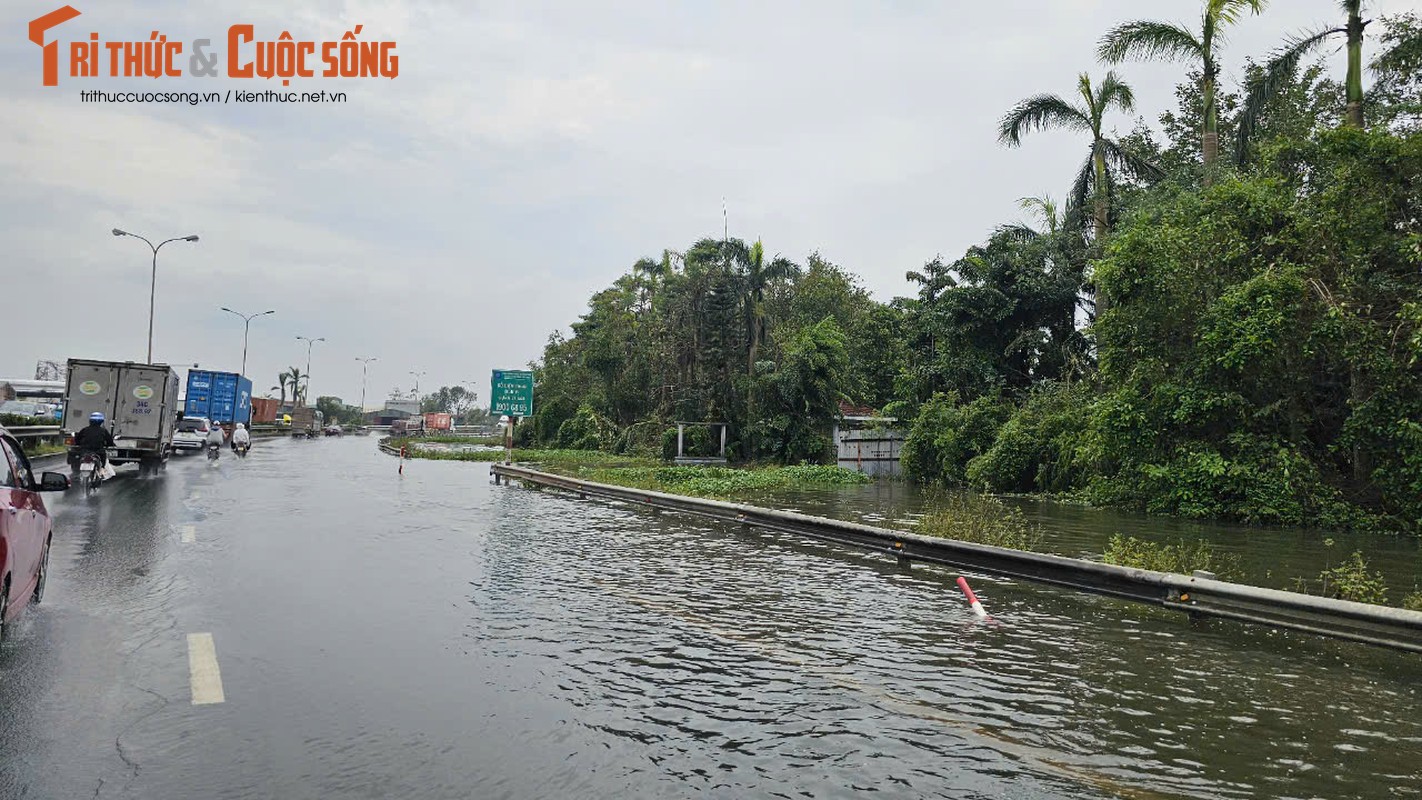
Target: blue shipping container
{"x":220,"y":396}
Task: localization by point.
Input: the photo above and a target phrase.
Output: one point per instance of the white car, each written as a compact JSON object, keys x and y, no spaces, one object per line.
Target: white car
{"x":191,"y":434}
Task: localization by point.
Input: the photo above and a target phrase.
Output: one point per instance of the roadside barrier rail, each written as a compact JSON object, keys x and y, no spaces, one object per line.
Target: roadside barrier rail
{"x":34,"y":431}
{"x":1199,"y":596}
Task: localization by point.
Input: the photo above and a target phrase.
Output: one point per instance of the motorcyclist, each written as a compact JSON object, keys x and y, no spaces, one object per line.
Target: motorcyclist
{"x":240,"y":437}
{"x":216,"y":436}
{"x":93,"y":439}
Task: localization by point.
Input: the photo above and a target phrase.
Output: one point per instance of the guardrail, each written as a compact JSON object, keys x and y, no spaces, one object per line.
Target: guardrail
{"x":1195,"y":595}
{"x":34,"y":431}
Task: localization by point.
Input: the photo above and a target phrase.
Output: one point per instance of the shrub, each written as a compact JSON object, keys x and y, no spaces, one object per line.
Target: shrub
{"x":586,"y":430}
{"x":1179,"y":558}
{"x":947,"y":435}
{"x":1040,"y":447}
{"x":981,"y":519}
{"x":1352,"y":581}
{"x":1413,"y":602}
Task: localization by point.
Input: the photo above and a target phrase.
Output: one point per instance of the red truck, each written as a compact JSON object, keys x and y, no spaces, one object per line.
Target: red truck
{"x":439,"y":421}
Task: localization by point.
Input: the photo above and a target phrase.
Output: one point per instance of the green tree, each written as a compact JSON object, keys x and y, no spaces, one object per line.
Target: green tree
{"x":1093,"y":180}
{"x":1149,"y":39}
{"x":801,"y":396}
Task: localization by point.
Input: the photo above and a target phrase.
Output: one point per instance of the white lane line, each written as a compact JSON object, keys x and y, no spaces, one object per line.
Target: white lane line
{"x":195,"y":496}
{"x":189,"y":534}
{"x":202,"y":668}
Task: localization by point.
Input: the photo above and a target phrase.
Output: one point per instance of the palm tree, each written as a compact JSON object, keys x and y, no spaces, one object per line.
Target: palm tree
{"x":1051,"y":111}
{"x":1285,"y":62}
{"x":283,"y":380}
{"x":1149,"y":39}
{"x":759,"y":276}
{"x":1044,"y":208}
{"x":298,"y":390}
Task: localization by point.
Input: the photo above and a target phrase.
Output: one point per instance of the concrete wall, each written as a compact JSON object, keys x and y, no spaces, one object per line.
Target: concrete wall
{"x":872,"y":452}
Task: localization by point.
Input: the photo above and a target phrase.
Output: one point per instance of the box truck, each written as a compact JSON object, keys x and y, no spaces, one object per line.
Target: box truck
{"x":139,"y":403}
{"x":222,"y":397}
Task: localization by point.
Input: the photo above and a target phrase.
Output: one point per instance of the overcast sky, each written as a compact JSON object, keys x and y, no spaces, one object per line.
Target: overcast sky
{"x":528,"y":153}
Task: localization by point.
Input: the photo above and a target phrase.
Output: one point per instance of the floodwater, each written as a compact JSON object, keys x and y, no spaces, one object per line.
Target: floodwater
{"x":1264,"y":556}
{"x":432,"y":635}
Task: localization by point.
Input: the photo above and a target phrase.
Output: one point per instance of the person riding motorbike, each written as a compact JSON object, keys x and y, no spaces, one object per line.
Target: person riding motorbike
{"x":241,"y":438}
{"x":94,"y":439}
{"x":216,"y":436}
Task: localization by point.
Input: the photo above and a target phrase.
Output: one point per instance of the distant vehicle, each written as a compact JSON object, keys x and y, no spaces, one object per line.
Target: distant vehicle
{"x":306,"y":421}
{"x":413,"y":426}
{"x":25,"y":530}
{"x":439,"y":421}
{"x":140,"y":402}
{"x":191,"y":434}
{"x":264,"y":410}
{"x":223,"y":397}
{"x":334,"y":430}
{"x":30,"y":408}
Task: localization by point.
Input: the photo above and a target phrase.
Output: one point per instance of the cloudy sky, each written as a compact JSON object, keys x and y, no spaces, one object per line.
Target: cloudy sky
{"x":449,"y":219}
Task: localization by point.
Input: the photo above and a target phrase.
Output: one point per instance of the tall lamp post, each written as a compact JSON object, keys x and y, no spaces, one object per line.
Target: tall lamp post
{"x":310,"y":343}
{"x":153,"y":280}
{"x":246,"y":327}
{"x":364,"y":365}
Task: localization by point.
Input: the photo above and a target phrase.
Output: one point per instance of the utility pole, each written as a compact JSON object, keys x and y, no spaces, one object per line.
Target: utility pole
{"x":365,"y":363}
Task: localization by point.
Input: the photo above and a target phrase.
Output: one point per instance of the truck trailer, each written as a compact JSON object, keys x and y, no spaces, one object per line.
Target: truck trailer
{"x":221,"y":397}
{"x":139,"y":403}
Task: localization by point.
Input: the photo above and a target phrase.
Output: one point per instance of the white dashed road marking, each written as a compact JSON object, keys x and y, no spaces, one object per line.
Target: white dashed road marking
{"x":189,"y":533}
{"x":202,"y":666}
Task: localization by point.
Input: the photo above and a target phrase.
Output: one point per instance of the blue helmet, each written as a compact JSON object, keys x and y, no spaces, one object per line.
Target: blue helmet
{"x":97,"y":416}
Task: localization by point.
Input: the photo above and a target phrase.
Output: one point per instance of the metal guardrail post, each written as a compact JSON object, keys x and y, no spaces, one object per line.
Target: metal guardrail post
{"x":1198,"y":595}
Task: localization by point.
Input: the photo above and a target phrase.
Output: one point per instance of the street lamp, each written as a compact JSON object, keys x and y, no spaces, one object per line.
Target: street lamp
{"x":153,"y":281}
{"x":310,"y":343}
{"x":364,"y":365}
{"x":418,"y":375}
{"x":246,"y":326}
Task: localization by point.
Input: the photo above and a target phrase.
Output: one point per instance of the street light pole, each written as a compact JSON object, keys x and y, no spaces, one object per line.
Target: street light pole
{"x":153,"y":279}
{"x":310,"y":343}
{"x":418,"y":375}
{"x":246,"y":326}
{"x":365,"y":364}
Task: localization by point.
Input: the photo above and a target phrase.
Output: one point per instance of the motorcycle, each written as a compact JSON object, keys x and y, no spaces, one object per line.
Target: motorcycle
{"x":91,"y":472}
{"x":241,"y":449}
{"x":213,"y":451}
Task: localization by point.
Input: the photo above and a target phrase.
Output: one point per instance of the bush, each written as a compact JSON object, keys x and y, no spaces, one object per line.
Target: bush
{"x":947,"y":435}
{"x":1413,"y":602}
{"x":981,"y":519}
{"x":1041,"y":447}
{"x":1179,"y":558}
{"x":586,"y":430}
{"x":19,"y":421}
{"x":1352,"y":581}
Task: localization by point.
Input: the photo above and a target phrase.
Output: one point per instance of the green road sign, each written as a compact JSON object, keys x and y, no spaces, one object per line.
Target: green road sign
{"x":513,"y":392}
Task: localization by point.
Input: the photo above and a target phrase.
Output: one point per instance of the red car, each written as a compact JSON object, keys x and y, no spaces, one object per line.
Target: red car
{"x":24,"y":530}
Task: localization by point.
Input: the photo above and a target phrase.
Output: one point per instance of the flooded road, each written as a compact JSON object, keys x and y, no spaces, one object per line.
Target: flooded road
{"x":435,"y":636}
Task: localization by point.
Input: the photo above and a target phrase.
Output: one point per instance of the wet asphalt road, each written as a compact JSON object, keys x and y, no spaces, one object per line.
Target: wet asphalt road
{"x":434,"y":636}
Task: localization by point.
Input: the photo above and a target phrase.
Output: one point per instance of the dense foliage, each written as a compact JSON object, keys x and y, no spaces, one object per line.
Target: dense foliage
{"x":1223,"y":319}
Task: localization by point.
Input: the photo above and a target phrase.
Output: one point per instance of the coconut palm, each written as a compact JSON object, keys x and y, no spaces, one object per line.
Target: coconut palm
{"x":1149,"y":40}
{"x":298,"y":389}
{"x":283,"y":381}
{"x":1094,"y":180}
{"x":1285,"y":63}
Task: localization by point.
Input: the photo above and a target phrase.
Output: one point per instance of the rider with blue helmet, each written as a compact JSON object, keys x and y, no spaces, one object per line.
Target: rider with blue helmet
{"x":93,"y":439}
